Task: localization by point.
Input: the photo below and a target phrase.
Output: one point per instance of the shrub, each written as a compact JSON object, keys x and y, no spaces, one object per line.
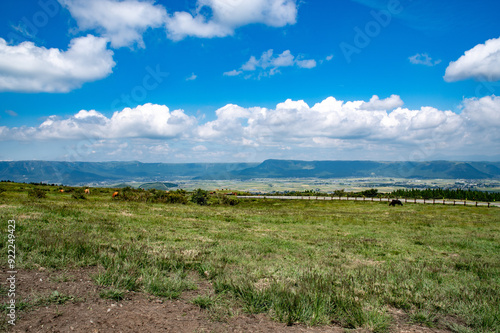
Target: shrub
{"x":37,"y":193}
{"x":130,"y":194}
{"x":227,"y":200}
{"x":79,"y":194}
{"x":200,"y":197}
{"x":169,"y":197}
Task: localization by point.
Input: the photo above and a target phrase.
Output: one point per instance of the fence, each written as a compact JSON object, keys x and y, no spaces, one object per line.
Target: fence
{"x":415,"y":201}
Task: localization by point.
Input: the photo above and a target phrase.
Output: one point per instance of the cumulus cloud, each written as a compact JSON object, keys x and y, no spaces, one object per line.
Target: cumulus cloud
{"x":269,"y":64}
{"x":389,"y":103}
{"x":144,"y":121}
{"x":484,"y":112}
{"x":28,"y":68}
{"x":423,"y":59}
{"x":122,"y":22}
{"x":224,"y":16}
{"x":481,"y":63}
{"x":377,"y":129}
{"x":331,"y":119}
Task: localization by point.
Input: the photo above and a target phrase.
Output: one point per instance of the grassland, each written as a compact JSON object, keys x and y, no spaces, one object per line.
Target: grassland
{"x":351,"y":264}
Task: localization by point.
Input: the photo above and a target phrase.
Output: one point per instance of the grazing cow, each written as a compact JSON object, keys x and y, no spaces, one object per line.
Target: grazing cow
{"x":115,"y":194}
{"x":396,"y":202}
{"x":61,"y":190}
{"x":87,"y":191}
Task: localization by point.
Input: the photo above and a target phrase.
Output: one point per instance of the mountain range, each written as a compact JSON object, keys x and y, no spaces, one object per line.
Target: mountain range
{"x":79,"y":173}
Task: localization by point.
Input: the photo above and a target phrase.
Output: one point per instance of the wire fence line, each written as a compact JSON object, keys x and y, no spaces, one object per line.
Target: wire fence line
{"x":414,"y":201}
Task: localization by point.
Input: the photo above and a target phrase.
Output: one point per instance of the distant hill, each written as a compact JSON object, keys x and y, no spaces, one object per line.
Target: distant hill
{"x":341,"y":169}
{"x":77,"y":173}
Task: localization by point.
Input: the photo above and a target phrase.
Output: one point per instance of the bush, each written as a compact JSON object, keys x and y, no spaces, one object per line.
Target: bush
{"x":130,"y":194}
{"x":178,"y":197}
{"x":37,"y":193}
{"x":79,"y":194}
{"x":371,"y":193}
{"x":227,"y":200}
{"x":200,"y":197}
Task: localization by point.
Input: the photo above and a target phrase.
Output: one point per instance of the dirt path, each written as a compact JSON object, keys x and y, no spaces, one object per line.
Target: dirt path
{"x":72,"y":304}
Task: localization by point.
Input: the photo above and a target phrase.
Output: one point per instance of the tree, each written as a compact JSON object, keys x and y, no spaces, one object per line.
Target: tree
{"x":200,"y":197}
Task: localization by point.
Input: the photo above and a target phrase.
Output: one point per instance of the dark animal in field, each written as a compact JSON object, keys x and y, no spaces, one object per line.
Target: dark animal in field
{"x":395,"y":202}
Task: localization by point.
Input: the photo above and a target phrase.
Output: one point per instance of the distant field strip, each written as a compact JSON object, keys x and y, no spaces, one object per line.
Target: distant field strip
{"x":417,"y":201}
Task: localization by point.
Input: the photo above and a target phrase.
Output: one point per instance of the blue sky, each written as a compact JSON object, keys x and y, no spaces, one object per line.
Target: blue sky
{"x":234,"y":80}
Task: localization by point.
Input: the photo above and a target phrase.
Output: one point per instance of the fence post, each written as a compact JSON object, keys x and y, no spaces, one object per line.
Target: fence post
{"x":488,"y":205}
{"x":443,"y":202}
{"x":476,"y":203}
{"x":433,"y":201}
{"x":453,"y":202}
{"x":424,"y":200}
{"x":414,"y":200}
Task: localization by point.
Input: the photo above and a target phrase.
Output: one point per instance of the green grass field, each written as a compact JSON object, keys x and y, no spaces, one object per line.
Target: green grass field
{"x":315,"y":262}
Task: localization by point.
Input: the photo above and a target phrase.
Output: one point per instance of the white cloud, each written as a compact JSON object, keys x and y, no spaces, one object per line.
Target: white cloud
{"x":192,"y":77}
{"x":28,"y":68}
{"x":125,"y":22}
{"x":11,"y":113}
{"x":228,"y":15}
{"x":423,"y":59}
{"x":332,"y":119}
{"x":234,"y":72}
{"x":330,"y":57}
{"x":182,"y":24}
{"x":122,"y":22}
{"x":481,"y":63}
{"x":378,"y":129}
{"x":306,"y":63}
{"x":269,"y":64}
{"x":484,"y":112}
{"x":144,"y":121}
{"x":199,"y":148}
{"x":389,"y":103}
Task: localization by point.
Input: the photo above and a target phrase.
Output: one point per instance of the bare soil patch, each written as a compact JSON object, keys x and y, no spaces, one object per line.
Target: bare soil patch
{"x":85,"y":311}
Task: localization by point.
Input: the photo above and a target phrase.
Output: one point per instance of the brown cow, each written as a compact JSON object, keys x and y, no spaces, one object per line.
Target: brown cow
{"x":87,"y":191}
{"x":115,"y":194}
{"x":61,"y":190}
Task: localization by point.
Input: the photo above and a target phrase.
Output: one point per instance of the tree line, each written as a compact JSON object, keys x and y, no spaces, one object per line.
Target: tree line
{"x":434,"y":193}
{"x":439,"y":193}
